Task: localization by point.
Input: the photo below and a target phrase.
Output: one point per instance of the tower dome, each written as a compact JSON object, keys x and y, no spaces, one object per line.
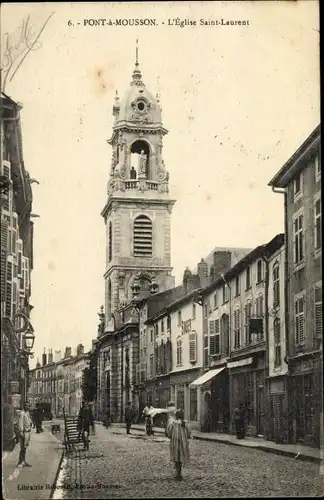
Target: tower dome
{"x":138,"y":103}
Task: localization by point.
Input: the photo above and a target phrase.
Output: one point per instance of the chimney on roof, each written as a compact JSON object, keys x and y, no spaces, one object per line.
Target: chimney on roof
{"x":38,"y":365}
{"x":58,"y":355}
{"x":68,"y":352}
{"x":80,"y":350}
{"x":188,"y":281}
{"x":221,"y":264}
{"x":44,"y":357}
{"x":202,"y":270}
{"x":50,"y":356}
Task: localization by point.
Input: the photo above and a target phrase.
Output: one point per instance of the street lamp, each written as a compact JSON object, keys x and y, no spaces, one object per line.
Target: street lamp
{"x":29,"y":339}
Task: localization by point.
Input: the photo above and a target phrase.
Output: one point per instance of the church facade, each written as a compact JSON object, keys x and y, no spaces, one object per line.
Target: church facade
{"x":137,"y":218}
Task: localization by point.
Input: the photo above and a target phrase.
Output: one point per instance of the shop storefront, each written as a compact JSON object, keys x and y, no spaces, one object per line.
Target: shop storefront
{"x":212,"y":399}
{"x":186,"y":396}
{"x":247,"y":389}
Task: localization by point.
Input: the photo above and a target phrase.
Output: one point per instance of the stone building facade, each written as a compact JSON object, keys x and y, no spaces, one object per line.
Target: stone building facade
{"x":299,"y":180}
{"x":16,"y":253}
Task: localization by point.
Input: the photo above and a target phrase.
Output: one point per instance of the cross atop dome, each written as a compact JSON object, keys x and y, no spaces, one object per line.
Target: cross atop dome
{"x":137,"y":75}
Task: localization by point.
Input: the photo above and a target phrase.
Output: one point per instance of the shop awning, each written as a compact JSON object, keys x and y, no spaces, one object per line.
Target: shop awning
{"x":206,"y":377}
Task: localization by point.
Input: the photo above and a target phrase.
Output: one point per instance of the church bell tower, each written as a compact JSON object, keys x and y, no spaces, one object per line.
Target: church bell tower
{"x":138,"y":210}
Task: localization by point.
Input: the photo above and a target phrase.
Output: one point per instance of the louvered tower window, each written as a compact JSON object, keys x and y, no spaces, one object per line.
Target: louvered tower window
{"x":142,"y":236}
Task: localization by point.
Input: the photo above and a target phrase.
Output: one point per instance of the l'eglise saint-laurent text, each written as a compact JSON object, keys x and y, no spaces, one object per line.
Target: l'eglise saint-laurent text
{"x":176,"y":21}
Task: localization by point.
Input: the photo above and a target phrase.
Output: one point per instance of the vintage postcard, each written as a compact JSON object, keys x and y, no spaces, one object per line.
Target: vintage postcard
{"x":161,"y":250}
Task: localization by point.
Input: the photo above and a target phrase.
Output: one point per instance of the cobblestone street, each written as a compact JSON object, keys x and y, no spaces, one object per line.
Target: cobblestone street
{"x":134,"y":466}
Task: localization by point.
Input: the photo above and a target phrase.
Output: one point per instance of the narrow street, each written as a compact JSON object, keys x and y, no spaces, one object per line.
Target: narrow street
{"x":134,"y":466}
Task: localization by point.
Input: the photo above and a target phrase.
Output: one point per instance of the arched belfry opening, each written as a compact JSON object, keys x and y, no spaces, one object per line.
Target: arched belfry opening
{"x":140,"y":158}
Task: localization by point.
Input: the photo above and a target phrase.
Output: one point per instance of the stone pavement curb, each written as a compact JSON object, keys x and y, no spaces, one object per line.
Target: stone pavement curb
{"x":58,"y":470}
{"x":247,"y":444}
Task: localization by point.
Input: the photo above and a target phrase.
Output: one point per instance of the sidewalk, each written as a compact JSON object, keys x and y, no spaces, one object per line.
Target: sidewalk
{"x":32,"y":483}
{"x":297,"y":451}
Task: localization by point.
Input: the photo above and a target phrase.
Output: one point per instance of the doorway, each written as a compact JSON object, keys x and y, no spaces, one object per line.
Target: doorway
{"x":304,"y":407}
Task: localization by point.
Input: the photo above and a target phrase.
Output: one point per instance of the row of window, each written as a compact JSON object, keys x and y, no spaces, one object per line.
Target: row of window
{"x":248,"y":284}
{"x":299,"y":231}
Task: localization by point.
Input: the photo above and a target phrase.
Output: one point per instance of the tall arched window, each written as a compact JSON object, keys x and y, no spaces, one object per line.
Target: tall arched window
{"x":110,"y":242}
{"x":276,"y":284}
{"x":109,"y":299}
{"x":247,"y":317}
{"x":136,"y":149}
{"x":142,"y":237}
{"x":237,"y":327}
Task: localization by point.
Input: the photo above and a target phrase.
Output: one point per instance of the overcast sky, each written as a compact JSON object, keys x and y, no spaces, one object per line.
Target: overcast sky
{"x":237,"y":101}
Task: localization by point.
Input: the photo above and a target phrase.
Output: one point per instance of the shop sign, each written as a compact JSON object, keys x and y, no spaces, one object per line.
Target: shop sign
{"x":277,"y":386}
{"x":183,"y":378}
{"x":306,"y":365}
{"x":239,"y":363}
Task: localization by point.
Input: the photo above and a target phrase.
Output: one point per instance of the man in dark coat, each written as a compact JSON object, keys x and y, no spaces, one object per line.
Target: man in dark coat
{"x":85,"y":420}
{"x":38,"y":419}
{"x":129,"y":416}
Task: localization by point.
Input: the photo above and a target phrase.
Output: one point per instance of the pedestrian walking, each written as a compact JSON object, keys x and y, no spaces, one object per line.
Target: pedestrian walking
{"x":129,"y":416}
{"x":179,"y":434}
{"x":25,"y":427}
{"x":38,"y":419}
{"x":85,"y":421}
{"x":148,"y":419}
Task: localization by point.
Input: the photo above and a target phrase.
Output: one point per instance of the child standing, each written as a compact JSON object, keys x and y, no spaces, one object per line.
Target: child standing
{"x":179,"y":434}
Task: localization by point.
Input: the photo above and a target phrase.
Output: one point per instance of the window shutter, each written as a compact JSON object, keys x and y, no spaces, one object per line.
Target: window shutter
{"x":217,"y":328}
{"x":212,"y":345}
{"x":300,"y":320}
{"x":318,"y":311}
{"x":211,"y":327}
{"x":193,"y":347}
{"x":142,"y":236}
{"x":4,"y":250}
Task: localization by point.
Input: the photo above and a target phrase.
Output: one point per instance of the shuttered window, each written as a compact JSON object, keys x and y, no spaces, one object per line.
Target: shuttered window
{"x":276,"y":285}
{"x":318,"y":310}
{"x":193,"y":347}
{"x":298,"y":239}
{"x":4,"y":249}
{"x":259,"y":314}
{"x":179,"y":352}
{"x":237,"y":328}
{"x":214,"y":340}
{"x":247,"y":316}
{"x":317,"y":224}
{"x":277,"y":342}
{"x":8,"y":298}
{"x":300,"y":320}
{"x":142,"y":236}
{"x":14,"y":242}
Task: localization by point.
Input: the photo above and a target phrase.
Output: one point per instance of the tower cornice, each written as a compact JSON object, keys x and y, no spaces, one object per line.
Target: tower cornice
{"x":137,"y":128}
{"x":136,"y":201}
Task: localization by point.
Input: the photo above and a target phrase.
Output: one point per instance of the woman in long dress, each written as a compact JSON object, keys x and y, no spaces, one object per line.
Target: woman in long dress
{"x":179,"y":434}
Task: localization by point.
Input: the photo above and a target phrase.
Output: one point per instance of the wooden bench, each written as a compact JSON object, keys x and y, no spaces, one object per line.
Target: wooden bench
{"x":72,"y":435}
{"x":55,"y":428}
